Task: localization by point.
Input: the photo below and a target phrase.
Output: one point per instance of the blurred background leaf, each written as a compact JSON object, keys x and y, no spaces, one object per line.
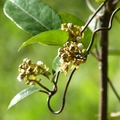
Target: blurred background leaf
{"x":83,"y":93}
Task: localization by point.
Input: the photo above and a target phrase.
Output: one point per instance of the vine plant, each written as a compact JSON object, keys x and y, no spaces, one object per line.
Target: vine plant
{"x":75,"y":41}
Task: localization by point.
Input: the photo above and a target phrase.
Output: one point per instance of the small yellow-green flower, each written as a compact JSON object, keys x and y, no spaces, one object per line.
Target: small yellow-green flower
{"x":73,"y":51}
{"x":29,"y":72}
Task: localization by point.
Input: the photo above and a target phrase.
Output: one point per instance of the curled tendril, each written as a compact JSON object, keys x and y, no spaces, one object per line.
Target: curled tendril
{"x":101,"y":29}
{"x":55,"y":90}
{"x":94,"y":14}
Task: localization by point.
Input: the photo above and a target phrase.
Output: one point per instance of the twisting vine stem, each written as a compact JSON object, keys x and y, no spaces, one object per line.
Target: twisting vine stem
{"x":51,"y":93}
{"x":102,"y":29}
{"x":113,"y":89}
{"x":64,"y":94}
{"x":106,"y":24}
{"x":90,"y":6}
{"x":94,"y":14}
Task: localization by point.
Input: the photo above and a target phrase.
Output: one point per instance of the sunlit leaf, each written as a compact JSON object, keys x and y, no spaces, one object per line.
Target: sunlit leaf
{"x":52,"y":37}
{"x":56,"y":65}
{"x":33,"y":16}
{"x":23,"y":94}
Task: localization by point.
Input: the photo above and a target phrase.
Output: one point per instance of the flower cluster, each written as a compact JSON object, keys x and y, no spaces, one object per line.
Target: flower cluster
{"x":29,"y":72}
{"x":74,"y":31}
{"x":73,"y":51}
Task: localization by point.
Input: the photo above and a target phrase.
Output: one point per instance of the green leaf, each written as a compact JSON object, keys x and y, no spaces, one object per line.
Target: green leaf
{"x":52,"y":37}
{"x":68,"y":18}
{"x":33,"y":16}
{"x":87,"y":37}
{"x":23,"y":94}
{"x":56,"y":65}
{"x":99,"y":1}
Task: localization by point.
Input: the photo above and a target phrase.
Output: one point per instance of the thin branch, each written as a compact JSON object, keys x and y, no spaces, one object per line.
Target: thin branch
{"x":116,"y":2}
{"x":55,"y":83}
{"x":64,"y":95}
{"x":114,"y":90}
{"x":44,"y":91}
{"x":94,"y":14}
{"x":45,"y":88}
{"x":91,"y":8}
{"x":95,"y":56}
{"x":101,"y":29}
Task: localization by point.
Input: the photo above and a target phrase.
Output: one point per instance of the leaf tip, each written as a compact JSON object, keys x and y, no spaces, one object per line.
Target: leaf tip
{"x":10,"y":105}
{"x":23,"y":45}
{"x":19,"y":49}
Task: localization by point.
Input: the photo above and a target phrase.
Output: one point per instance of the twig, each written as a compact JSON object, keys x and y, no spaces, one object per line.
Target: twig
{"x":94,"y":14}
{"x":64,"y":95}
{"x":114,"y":90}
{"x":91,"y":8}
{"x":96,"y":56}
{"x":45,"y":88}
{"x":101,"y":29}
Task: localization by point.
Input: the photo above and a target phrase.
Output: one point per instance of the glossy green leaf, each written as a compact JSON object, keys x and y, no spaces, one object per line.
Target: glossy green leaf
{"x":68,"y":18}
{"x":33,"y":16}
{"x":52,"y":37}
{"x":56,"y":65}
{"x":23,"y":94}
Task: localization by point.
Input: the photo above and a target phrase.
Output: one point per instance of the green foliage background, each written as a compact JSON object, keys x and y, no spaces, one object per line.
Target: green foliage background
{"x":83,"y":94}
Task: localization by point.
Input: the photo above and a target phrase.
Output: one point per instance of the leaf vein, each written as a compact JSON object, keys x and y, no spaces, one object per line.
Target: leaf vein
{"x":29,"y":14}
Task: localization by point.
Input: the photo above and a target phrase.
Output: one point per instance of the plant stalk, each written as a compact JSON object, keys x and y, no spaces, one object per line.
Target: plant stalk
{"x":104,"y":73}
{"x":104,"y":42}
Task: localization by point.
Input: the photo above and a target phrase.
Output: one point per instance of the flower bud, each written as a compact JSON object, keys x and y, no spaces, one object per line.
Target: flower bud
{"x":28,"y":61}
{"x":24,"y":60}
{"x":78,"y":38}
{"x":70,"y":25}
{"x":60,"y":51}
{"x":39,"y":63}
{"x":20,"y":77}
{"x":64,"y":55}
{"x":84,"y":52}
{"x":63,"y":26}
{"x":80,"y":46}
{"x":72,"y":48}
